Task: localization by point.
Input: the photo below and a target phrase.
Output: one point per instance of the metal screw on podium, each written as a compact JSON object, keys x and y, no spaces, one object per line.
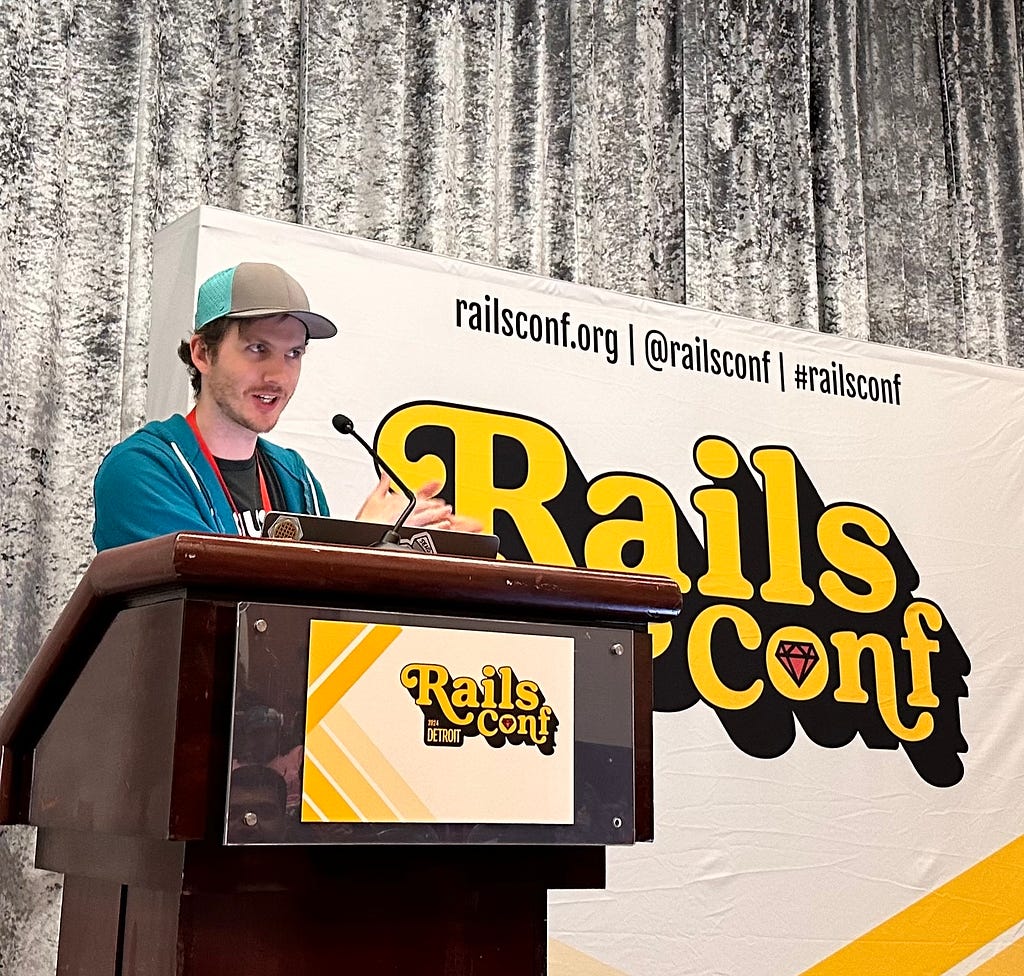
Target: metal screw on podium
{"x":616,"y":822}
{"x":618,"y":650}
{"x":261,"y":626}
{"x":250,"y":819}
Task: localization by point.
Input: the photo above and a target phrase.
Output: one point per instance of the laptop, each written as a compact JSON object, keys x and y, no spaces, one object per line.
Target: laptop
{"x":289,"y":527}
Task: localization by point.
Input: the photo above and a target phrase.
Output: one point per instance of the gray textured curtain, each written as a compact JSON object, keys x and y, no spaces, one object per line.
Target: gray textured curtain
{"x":848,"y":166}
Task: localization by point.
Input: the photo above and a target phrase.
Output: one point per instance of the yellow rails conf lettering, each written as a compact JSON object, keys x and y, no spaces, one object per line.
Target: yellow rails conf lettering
{"x":500,"y":707}
{"x":794,"y":609}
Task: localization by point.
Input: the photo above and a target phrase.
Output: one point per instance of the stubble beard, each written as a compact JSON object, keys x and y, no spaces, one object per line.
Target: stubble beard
{"x":222,"y":396}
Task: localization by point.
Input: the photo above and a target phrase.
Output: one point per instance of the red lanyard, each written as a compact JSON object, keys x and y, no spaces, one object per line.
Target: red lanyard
{"x":264,"y":494}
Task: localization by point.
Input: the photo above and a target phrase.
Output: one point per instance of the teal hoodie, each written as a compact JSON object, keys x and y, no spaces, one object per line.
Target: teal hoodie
{"x":157,"y":481}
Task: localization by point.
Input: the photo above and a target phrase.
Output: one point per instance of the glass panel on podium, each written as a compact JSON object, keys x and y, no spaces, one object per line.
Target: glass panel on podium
{"x":369,"y":728}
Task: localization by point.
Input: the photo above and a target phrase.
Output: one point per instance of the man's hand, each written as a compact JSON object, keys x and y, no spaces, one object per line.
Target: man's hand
{"x":385,"y":505}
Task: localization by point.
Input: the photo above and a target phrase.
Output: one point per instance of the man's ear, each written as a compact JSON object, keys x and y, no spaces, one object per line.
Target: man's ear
{"x":201,"y":355}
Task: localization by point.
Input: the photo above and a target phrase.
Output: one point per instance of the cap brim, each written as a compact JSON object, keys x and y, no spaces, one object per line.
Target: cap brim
{"x":317,"y":326}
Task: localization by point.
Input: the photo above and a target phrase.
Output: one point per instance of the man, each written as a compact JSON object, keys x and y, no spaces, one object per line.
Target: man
{"x":211,"y":471}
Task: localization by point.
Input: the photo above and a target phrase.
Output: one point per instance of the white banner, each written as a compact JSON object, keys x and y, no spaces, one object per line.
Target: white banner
{"x":837,"y":764}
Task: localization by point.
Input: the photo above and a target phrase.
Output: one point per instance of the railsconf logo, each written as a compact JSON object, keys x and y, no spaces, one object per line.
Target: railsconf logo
{"x":500,"y":707}
{"x":794,"y":609}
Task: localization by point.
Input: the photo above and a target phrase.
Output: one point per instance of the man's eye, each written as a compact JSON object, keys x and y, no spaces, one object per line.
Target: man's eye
{"x":297,"y":353}
{"x":257,"y":347}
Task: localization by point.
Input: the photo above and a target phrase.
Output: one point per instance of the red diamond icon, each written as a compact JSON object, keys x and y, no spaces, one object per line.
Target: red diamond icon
{"x":798,"y":659}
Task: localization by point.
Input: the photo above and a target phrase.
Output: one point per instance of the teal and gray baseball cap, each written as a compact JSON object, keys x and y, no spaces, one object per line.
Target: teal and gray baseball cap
{"x":250,"y":291}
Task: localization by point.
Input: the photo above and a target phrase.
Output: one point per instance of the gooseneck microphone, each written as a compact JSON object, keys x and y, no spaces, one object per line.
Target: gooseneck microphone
{"x":391,"y":539}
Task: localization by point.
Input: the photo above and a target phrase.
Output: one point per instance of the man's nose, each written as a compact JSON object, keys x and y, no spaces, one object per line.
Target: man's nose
{"x":275,"y":370}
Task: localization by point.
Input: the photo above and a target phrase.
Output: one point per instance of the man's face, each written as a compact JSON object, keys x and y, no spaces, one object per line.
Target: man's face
{"x":253,"y":372}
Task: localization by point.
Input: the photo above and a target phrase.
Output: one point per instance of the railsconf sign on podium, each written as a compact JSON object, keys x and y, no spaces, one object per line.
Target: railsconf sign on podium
{"x":376,"y":691}
{"x":837,"y":708}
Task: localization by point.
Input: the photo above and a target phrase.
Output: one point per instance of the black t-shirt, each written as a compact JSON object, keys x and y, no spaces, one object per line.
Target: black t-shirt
{"x":243,"y":482}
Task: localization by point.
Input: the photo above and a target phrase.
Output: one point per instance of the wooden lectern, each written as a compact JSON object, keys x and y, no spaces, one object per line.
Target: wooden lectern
{"x":179,"y":661}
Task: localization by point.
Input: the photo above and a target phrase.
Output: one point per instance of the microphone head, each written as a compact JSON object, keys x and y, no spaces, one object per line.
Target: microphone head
{"x":342,"y":424}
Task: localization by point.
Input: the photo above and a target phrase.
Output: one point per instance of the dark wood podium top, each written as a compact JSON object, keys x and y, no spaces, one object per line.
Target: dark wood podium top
{"x":231,"y":568}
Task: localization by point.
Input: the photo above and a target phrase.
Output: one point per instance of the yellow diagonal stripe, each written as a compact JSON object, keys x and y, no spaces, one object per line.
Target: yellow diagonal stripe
{"x":1009,"y":962}
{"x":309,"y":815}
{"x":943,"y":928}
{"x":375,"y":642}
{"x":388,"y":780}
{"x":320,"y":792}
{"x":361,"y":794}
{"x":564,"y":960}
{"x":326,"y":644}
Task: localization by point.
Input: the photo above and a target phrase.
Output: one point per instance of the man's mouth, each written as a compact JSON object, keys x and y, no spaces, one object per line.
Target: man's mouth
{"x":267,"y":398}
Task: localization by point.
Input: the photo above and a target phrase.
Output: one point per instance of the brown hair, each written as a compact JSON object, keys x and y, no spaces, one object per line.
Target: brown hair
{"x":212,"y":334}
